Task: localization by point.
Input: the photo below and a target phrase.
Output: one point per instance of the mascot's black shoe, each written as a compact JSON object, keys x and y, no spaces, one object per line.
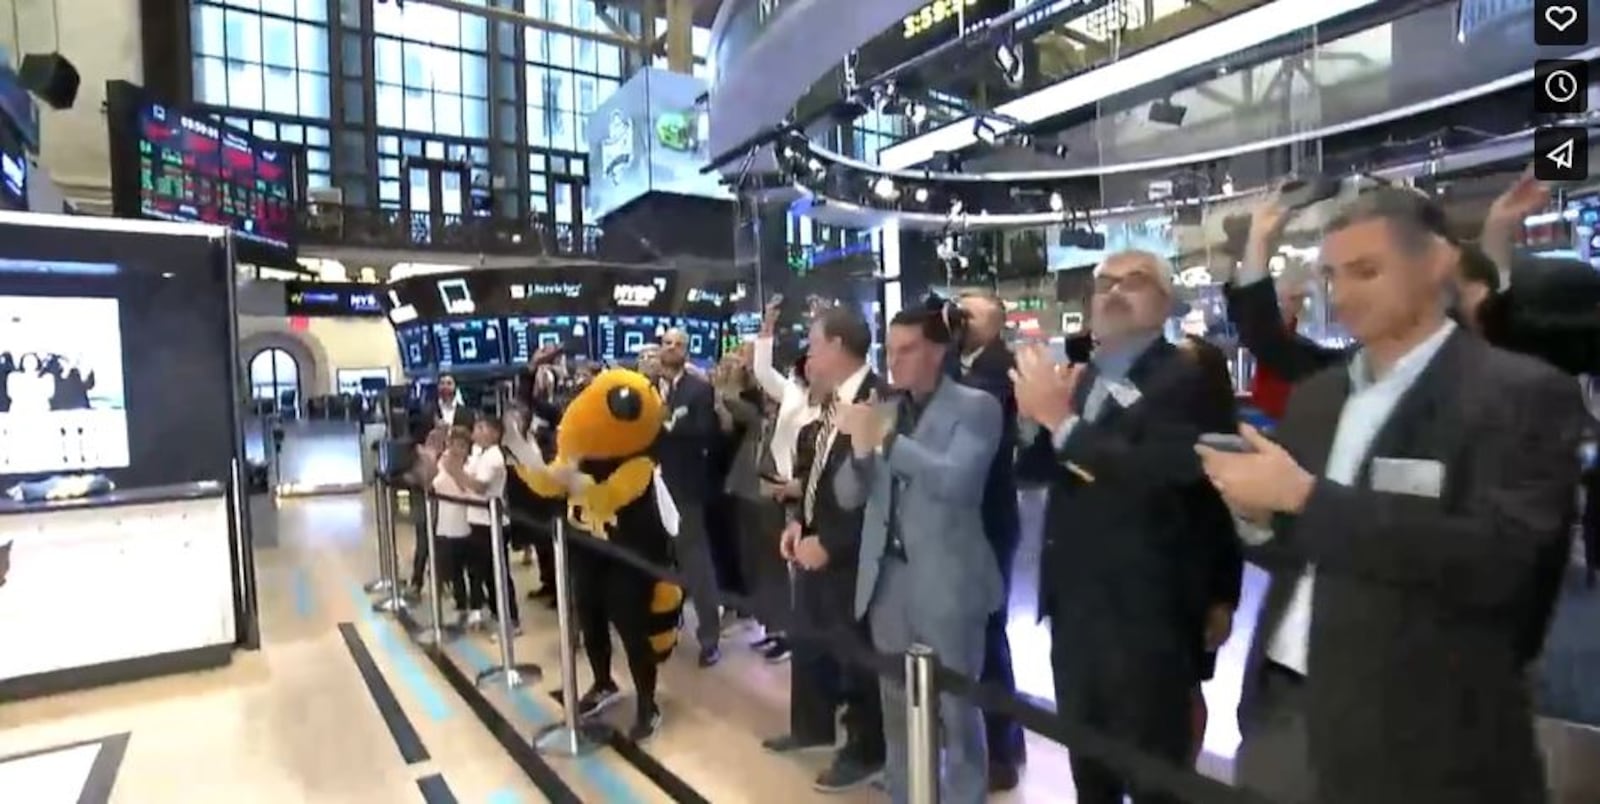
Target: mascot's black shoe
{"x":647,"y":725}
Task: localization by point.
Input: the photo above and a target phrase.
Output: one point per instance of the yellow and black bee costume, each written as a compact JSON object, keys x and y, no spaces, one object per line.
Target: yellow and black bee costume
{"x":604,"y":470}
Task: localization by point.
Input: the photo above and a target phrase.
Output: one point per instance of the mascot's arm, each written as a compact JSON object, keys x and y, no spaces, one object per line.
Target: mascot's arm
{"x":558,"y":479}
{"x":629,"y":482}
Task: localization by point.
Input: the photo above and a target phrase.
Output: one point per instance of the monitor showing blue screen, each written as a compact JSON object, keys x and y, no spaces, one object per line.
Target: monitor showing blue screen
{"x":705,"y":336}
{"x":526,"y":335}
{"x":622,"y":336}
{"x":470,"y":343}
{"x":416,"y":350}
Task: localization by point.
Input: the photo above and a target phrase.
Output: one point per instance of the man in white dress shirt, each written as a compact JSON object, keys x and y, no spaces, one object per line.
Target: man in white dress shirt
{"x":1420,"y":506}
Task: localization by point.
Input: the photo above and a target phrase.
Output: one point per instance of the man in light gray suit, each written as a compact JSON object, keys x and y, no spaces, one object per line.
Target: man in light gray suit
{"x":927,"y":573}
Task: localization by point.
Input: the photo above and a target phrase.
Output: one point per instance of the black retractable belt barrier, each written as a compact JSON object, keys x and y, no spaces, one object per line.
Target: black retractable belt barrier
{"x":1151,"y":774}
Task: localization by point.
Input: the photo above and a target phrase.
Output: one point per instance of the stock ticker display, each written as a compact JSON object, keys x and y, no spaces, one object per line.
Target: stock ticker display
{"x":469,"y":343}
{"x":192,"y":169}
{"x":528,"y":334}
{"x":622,"y":336}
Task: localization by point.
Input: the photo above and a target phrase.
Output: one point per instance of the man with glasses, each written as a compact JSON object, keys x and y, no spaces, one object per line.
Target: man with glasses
{"x":1124,"y":576}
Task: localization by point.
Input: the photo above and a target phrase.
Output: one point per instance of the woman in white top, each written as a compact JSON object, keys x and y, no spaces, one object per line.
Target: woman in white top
{"x":483,"y":475}
{"x":452,"y":526}
{"x":795,"y":409}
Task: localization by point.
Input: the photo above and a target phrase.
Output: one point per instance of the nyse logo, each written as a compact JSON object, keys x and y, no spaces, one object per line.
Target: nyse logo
{"x":364,"y":302}
{"x":637,"y":295}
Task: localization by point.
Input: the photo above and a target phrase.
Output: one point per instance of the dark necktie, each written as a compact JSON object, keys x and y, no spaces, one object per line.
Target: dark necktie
{"x":819,"y":457}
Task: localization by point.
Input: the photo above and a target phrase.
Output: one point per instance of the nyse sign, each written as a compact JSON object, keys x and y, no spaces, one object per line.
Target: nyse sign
{"x":636,"y":295}
{"x":935,"y":15}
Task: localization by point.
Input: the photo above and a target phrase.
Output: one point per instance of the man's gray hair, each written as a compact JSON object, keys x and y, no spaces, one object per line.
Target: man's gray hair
{"x":1159,"y":265}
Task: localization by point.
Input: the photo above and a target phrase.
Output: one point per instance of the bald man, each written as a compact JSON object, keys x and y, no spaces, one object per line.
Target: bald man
{"x":684,"y":453}
{"x":1123,"y":578}
{"x":983,"y":361}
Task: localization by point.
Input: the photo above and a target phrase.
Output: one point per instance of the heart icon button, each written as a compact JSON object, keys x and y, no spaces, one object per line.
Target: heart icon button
{"x":1561,"y":17}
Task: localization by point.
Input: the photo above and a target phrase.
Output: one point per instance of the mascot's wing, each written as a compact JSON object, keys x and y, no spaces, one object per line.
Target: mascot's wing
{"x":554,"y":480}
{"x":598,"y":504}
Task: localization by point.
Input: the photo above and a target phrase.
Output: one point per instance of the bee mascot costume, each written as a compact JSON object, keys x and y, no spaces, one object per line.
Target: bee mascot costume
{"x":614,"y":491}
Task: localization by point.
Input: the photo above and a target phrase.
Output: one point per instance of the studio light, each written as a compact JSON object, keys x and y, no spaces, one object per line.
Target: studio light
{"x":921,"y":195}
{"x":1167,"y":113}
{"x":884,"y":188}
{"x":1057,"y":203}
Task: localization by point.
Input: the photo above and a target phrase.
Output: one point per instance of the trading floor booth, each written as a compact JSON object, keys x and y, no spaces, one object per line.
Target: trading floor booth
{"x":120,"y":453}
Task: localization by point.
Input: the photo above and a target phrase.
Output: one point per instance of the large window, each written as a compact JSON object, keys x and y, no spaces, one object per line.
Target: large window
{"x":275,"y":376}
{"x":567,"y":77}
{"x":262,"y":55}
{"x":431,"y":71}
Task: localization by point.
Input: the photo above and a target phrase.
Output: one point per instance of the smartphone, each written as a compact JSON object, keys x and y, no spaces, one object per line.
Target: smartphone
{"x":1226,"y":442}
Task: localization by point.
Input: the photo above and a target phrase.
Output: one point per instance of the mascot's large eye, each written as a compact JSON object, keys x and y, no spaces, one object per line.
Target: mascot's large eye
{"x":624,"y":404}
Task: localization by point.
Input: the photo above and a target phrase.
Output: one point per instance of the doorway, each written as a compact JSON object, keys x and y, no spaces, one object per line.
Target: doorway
{"x":435,"y":197}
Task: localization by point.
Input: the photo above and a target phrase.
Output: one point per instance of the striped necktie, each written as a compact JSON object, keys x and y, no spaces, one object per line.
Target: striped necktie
{"x":819,"y":457}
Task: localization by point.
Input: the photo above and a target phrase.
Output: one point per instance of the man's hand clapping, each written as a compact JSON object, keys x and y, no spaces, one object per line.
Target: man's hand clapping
{"x":1044,"y":388}
{"x":861,"y":422}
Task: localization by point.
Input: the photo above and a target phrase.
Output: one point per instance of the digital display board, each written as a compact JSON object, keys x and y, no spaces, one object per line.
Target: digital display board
{"x":191,"y":168}
{"x":650,"y":135}
{"x":470,"y":343}
{"x":705,"y":336}
{"x":528,"y":334}
{"x":622,"y":336}
{"x":332,"y":299}
{"x":416,"y":349}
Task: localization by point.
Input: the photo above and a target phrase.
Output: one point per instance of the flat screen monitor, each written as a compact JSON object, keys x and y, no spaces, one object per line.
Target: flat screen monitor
{"x":705,"y":336}
{"x":622,"y":336}
{"x":62,"y":401}
{"x":471,"y":343}
{"x":13,"y":173}
{"x":526,"y":335}
{"x":416,"y":348}
{"x":174,"y":164}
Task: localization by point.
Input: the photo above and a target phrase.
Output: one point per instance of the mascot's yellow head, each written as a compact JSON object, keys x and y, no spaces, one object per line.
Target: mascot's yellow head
{"x":617,"y":416}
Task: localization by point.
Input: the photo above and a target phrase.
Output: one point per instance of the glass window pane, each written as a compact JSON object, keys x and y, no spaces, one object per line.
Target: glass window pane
{"x":534,"y":42}
{"x":474,"y":33}
{"x":291,"y":133}
{"x":388,"y":65}
{"x":604,"y":89}
{"x":416,"y":65}
{"x":277,"y":42}
{"x":609,"y":61}
{"x":391,"y":106}
{"x":389,"y":168}
{"x":284,"y":367}
{"x":280,"y":7}
{"x":444,"y":67}
{"x":475,"y":120}
{"x":447,"y":113}
{"x":313,"y":48}
{"x":244,"y":85}
{"x":317,"y":181}
{"x":243,"y":34}
{"x":419,"y":110}
{"x":388,"y":144}
{"x":351,"y":57}
{"x":475,"y":76}
{"x":281,"y":92}
{"x":211,"y":81}
{"x":536,"y":164}
{"x":538,"y":132}
{"x":317,"y":136}
{"x":560,"y":11}
{"x":317,"y":159}
{"x":313,"y":10}
{"x":389,"y":191}
{"x":355,"y":109}
{"x":208,"y":31}
{"x":587,"y":59}
{"x":560,"y":50}
{"x":315,"y":91}
{"x":506,"y":123}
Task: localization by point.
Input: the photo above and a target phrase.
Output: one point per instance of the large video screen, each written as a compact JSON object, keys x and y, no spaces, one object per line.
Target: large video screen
{"x":526,"y":335}
{"x":649,"y":136}
{"x":191,"y":168}
{"x":474,"y":343}
{"x":416,"y":349}
{"x":62,"y":403}
{"x":705,"y":335}
{"x":622,"y":336}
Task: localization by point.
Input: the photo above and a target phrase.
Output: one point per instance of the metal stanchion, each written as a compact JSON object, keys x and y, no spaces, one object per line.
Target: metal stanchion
{"x":922,"y":727}
{"x":569,"y":738}
{"x":395,"y":599}
{"x":385,"y":580}
{"x":435,"y":635}
{"x":513,"y":673}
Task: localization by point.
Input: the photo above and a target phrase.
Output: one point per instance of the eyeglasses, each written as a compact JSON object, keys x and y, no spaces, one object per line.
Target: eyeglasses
{"x":1132,"y":283}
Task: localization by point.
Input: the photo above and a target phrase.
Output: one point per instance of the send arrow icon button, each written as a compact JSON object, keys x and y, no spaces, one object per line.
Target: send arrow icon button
{"x":1561,"y":154}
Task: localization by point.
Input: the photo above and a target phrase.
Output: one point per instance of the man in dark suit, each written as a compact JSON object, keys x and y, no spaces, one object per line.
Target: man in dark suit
{"x":1419,"y":509}
{"x":683,"y":452}
{"x":984,"y":362}
{"x":447,"y":409}
{"x":1124,"y":579}
{"x":823,"y":541}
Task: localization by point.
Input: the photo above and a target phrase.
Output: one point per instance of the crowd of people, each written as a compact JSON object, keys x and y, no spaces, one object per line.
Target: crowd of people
{"x":1413,"y":507}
